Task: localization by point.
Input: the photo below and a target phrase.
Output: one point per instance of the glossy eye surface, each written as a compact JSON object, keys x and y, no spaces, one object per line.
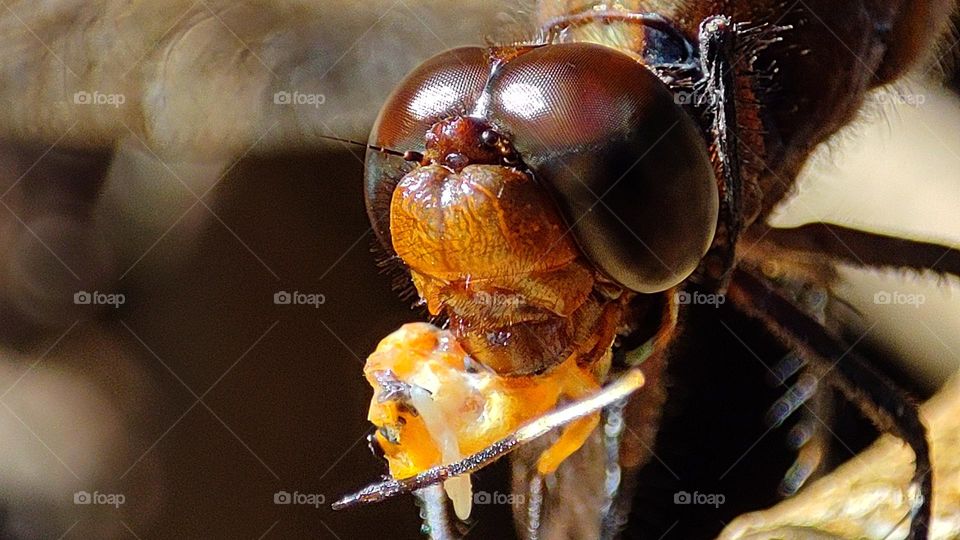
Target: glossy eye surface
{"x":626,"y":165}
{"x":444,"y":86}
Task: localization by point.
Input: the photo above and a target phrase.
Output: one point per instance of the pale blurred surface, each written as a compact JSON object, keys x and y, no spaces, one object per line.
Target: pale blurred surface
{"x":159,"y":151}
{"x":896,"y":171}
{"x":193,"y":79}
{"x":867,"y":497}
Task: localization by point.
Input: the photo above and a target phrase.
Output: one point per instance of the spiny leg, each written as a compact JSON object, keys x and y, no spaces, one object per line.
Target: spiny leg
{"x":433,"y":504}
{"x":877,"y":396}
{"x":865,"y":249}
{"x":628,"y":383}
{"x":804,"y":436}
{"x":717,"y":48}
{"x":615,"y":507}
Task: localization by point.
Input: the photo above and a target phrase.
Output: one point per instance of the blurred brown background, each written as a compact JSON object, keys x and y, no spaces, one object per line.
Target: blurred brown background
{"x":144,"y":153}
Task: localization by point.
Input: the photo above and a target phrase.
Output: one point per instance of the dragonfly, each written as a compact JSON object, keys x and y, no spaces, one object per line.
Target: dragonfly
{"x":99,"y":137}
{"x":611,"y":177}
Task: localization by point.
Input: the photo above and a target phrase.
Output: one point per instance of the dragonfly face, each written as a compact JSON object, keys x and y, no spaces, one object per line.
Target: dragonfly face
{"x":554,"y":181}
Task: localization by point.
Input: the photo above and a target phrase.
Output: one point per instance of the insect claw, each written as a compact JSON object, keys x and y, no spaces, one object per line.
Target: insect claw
{"x":391,"y":487}
{"x":370,"y":494}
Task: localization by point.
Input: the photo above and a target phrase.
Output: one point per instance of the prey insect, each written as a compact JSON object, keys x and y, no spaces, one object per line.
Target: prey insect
{"x":547,"y":198}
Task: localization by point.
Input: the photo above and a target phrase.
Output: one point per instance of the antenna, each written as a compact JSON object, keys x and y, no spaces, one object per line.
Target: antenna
{"x":408,"y":155}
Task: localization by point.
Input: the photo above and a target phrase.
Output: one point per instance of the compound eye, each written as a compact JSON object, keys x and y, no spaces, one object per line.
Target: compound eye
{"x":628,"y":168}
{"x":444,"y":86}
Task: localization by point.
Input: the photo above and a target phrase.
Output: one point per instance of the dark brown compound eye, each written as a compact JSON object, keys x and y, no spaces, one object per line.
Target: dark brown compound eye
{"x":627,"y":166}
{"x":444,"y":86}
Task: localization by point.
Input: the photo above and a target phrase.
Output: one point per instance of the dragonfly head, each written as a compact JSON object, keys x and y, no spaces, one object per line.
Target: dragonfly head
{"x":551,"y":180}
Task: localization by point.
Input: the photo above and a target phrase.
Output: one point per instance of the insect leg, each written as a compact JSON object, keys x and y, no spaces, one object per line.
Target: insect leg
{"x":877,"y":396}
{"x":628,"y":383}
{"x":433,"y":502}
{"x":717,"y":53}
{"x":864,"y":249}
{"x":805,"y":437}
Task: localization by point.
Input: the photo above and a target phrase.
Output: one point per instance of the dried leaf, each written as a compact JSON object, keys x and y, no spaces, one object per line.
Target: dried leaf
{"x":868,"y":496}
